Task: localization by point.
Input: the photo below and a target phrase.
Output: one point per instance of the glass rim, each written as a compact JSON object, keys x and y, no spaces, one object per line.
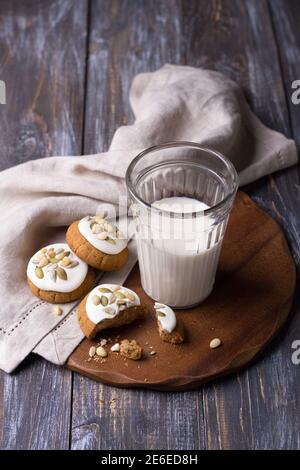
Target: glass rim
{"x":172,"y":144}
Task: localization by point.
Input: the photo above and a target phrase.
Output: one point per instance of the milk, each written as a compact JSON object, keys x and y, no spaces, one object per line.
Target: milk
{"x":178,"y":257}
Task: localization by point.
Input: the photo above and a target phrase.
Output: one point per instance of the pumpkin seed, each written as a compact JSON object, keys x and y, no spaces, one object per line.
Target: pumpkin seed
{"x":58,"y":310}
{"x":53,"y":275}
{"x":121,"y":301}
{"x":102,"y":236}
{"x":160,"y":314}
{"x":96,"y":228}
{"x":96,"y":300}
{"x":115,"y":347}
{"x":92,"y":351}
{"x":51,"y":267}
{"x":112,"y":299}
{"x":215,"y":343}
{"x":109,"y":310}
{"x":59,"y":250}
{"x":35,"y":261}
{"x":43,"y":262}
{"x":65,"y":261}
{"x":120,"y":295}
{"x":39,"y":272}
{"x":53,"y":260}
{"x":104,"y":300}
{"x":110,"y":240}
{"x":73,"y":264}
{"x":99,"y":219}
{"x":62,"y":274}
{"x":104,"y":290}
{"x":130,"y":296}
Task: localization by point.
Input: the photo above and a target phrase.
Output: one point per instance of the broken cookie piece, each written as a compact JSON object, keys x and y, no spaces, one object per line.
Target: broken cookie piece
{"x":109,"y":306}
{"x":170,"y":329}
{"x":131,"y":349}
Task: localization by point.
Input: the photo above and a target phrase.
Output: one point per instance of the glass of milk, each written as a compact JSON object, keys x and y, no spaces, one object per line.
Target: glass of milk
{"x":181,"y":196}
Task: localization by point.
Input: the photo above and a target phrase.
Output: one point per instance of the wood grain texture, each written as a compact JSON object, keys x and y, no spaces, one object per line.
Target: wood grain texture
{"x":237,"y":38}
{"x":42,"y":60}
{"x":127,"y":37}
{"x":249,"y":280}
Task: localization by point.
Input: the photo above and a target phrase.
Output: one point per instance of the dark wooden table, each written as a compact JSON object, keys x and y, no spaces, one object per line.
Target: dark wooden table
{"x":68,"y":65}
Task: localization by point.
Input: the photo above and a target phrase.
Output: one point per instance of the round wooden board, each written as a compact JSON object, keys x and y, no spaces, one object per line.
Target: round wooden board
{"x":250,"y":302}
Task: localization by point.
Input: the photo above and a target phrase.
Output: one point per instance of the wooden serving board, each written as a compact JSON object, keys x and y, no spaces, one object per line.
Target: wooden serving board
{"x":250,"y":302}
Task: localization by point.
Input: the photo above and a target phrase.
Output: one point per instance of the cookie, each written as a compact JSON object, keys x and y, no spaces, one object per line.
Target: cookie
{"x":98,"y":243}
{"x":55,"y":274}
{"x":109,"y":306}
{"x":169,"y":327}
{"x":131,"y":349}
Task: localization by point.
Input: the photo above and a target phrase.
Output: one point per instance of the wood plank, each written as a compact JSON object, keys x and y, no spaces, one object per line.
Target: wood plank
{"x":128,"y":37}
{"x":42,"y":61}
{"x":42,"y":57}
{"x":255,"y":409}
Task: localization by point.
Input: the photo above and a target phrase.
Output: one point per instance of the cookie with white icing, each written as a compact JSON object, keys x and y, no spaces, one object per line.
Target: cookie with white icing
{"x":109,"y":306}
{"x":99,"y":243}
{"x":169,"y":327}
{"x":57,"y":275}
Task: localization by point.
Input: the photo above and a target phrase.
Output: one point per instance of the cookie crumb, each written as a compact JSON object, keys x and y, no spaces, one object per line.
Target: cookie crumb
{"x":115,"y":347}
{"x":131,"y":349}
{"x":58,"y":310}
{"x":215,"y":343}
{"x":152,"y":353}
{"x":101,"y":352}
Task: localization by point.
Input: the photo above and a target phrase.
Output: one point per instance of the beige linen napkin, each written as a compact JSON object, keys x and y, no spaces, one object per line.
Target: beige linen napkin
{"x":40,"y":198}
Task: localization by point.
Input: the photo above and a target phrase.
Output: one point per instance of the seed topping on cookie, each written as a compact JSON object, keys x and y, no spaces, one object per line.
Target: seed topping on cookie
{"x":166,"y":317}
{"x":103,"y":235}
{"x":103,"y":302}
{"x":56,"y":268}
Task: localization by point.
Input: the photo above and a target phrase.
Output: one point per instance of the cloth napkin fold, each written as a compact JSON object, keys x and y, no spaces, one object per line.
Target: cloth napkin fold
{"x":38,"y":199}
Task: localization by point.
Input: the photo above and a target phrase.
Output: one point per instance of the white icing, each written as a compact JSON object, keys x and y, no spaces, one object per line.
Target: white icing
{"x":84,"y":227}
{"x":168,"y":322}
{"x":76,"y":275}
{"x":97,"y":313}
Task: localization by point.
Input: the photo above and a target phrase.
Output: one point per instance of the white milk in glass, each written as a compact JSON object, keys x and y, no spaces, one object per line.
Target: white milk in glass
{"x":178,"y":256}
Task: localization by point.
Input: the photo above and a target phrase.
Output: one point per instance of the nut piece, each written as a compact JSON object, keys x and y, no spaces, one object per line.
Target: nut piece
{"x":115,"y":347}
{"x":58,"y":310}
{"x":92,"y":351}
{"x":215,"y":343}
{"x":131,"y":349}
{"x":100,"y":351}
